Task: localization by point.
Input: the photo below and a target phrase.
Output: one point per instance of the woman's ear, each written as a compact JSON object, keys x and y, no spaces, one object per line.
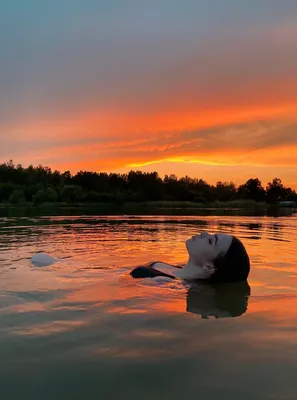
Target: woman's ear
{"x":209,"y":269}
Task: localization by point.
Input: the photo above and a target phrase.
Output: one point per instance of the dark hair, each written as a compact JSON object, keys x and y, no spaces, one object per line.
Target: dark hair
{"x":234,"y":266}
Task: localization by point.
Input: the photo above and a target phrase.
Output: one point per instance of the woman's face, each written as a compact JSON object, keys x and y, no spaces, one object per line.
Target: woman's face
{"x":204,"y":248}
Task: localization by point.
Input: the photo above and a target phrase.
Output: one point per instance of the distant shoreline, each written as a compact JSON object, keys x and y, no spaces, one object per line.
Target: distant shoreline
{"x":236,"y":207}
{"x":146,"y":204}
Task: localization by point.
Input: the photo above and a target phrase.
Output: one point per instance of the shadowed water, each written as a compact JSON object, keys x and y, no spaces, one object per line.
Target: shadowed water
{"x":84,"y":329}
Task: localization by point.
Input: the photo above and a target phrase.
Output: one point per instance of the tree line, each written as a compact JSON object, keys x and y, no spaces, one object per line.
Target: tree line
{"x":40,"y":184}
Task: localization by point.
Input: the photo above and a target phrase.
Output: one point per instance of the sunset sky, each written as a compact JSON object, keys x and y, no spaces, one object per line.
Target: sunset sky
{"x":197,"y":87}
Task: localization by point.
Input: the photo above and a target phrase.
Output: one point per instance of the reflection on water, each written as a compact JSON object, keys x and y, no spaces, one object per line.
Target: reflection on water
{"x":83,"y":328}
{"x":219,"y":301}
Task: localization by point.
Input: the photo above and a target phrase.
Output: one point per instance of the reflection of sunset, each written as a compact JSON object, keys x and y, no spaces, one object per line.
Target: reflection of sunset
{"x":48,"y":329}
{"x":275,"y":308}
{"x":86,"y":314}
{"x":101,"y":251}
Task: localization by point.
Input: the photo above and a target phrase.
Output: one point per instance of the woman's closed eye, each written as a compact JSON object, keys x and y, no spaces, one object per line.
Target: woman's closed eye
{"x":213,"y":241}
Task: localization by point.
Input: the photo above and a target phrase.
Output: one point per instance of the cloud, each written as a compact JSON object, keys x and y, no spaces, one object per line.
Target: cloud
{"x":230,"y":144}
{"x":144,"y":60}
{"x":105,"y":86}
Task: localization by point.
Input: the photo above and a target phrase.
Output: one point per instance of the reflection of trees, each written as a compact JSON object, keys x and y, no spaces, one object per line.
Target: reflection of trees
{"x":254,"y":227}
{"x":230,"y":225}
{"x":276,"y":231}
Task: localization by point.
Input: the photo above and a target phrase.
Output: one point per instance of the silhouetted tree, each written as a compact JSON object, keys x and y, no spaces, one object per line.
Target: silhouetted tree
{"x":40,"y":184}
{"x":275,"y":191}
{"x":17,"y":196}
{"x":252,"y":190}
{"x":225,"y":191}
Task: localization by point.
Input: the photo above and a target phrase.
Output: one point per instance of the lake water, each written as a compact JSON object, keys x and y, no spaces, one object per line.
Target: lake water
{"x":84,"y":329}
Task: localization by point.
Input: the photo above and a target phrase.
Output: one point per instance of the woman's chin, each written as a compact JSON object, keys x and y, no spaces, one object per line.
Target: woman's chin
{"x":188,"y":241}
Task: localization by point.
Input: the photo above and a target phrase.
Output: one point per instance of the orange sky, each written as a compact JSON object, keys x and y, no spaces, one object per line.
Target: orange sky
{"x":202,"y":90}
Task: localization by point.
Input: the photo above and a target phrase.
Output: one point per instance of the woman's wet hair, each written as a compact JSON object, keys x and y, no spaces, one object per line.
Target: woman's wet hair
{"x":234,"y":266}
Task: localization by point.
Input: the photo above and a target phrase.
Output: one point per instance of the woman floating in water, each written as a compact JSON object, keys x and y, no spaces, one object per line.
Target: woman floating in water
{"x":213,"y":259}
{"x":218,"y":258}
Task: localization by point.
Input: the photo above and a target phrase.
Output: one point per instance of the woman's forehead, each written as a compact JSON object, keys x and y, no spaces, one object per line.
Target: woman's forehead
{"x":224,"y":241}
{"x":223,"y":235}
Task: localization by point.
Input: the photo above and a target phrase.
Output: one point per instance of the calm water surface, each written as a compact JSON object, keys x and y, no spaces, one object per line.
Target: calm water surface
{"x":84,"y":329}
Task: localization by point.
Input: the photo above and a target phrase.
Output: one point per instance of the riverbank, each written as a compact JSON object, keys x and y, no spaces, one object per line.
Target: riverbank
{"x":237,"y":207}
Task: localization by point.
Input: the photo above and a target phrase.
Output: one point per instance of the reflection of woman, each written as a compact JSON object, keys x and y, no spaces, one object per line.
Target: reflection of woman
{"x":218,"y":301}
{"x":213,"y":258}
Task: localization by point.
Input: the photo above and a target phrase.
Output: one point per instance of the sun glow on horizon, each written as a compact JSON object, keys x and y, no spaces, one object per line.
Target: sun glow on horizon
{"x":139,"y":88}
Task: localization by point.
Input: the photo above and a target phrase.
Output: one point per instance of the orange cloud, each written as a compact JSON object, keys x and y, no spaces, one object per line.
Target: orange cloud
{"x":251,"y":138}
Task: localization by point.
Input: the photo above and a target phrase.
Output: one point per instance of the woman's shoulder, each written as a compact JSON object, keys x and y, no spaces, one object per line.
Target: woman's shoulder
{"x":153,"y":269}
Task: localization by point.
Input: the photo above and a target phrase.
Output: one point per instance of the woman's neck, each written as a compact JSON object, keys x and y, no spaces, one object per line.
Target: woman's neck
{"x":192,"y":270}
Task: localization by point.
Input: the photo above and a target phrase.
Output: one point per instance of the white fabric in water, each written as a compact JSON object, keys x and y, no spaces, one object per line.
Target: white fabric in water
{"x":43,"y":260}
